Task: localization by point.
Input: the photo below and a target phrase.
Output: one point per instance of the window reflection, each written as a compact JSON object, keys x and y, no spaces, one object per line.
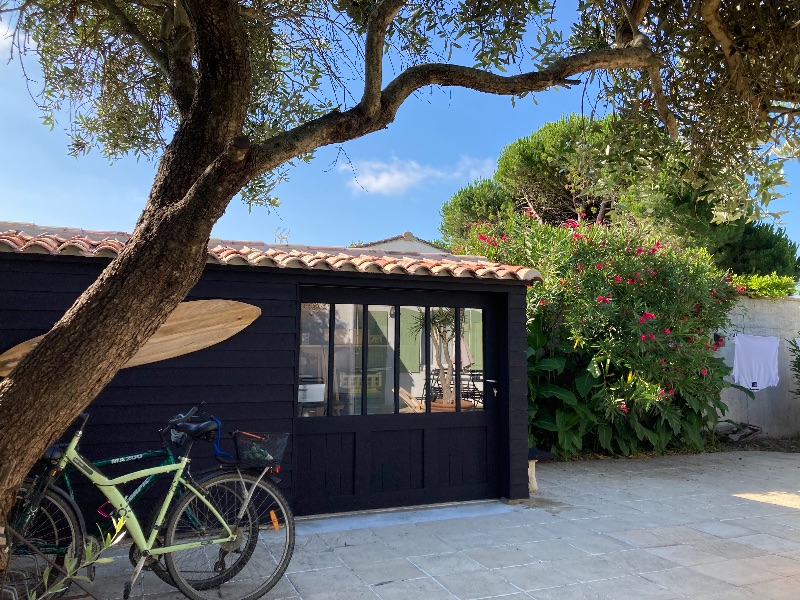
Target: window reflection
{"x":380,"y":360}
{"x":312,"y":389}
{"x":347,"y":363}
{"x":439,"y":350}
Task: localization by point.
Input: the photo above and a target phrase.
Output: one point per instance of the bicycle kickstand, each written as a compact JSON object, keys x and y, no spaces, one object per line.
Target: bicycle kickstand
{"x":136,"y":572}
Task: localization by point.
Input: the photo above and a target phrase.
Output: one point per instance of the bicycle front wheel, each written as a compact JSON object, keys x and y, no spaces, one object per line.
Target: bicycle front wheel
{"x":246,"y":568}
{"x":54,"y":532}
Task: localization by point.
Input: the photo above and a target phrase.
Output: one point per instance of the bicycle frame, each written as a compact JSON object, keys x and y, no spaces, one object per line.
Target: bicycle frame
{"x":121,"y":504}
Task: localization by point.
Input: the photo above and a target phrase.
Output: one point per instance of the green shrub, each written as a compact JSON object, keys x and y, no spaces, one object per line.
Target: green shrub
{"x":620,"y":358}
{"x":765,"y":286}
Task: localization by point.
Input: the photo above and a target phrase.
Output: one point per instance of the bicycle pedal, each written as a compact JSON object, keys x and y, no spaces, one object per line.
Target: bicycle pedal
{"x":127,"y":593}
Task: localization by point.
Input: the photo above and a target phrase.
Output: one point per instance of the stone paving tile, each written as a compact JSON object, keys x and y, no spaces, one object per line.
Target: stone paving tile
{"x":770,"y":543}
{"x":590,"y":568}
{"x":309,"y":561}
{"x":596,"y":543}
{"x":633,"y":588}
{"x":737,"y":572}
{"x":324,"y":580}
{"x":551,"y":550}
{"x":477,"y":584}
{"x":366,"y":553}
{"x":778,"y":589}
{"x":503,"y":556}
{"x":641,"y":538}
{"x":729,"y":549}
{"x":723,"y":529}
{"x":387,"y":571}
{"x":413,"y":588}
{"x":688,"y":582}
{"x":684,"y":555}
{"x":580,"y":591}
{"x":638,"y":561}
{"x":535,"y":576}
{"x":445,"y":564}
{"x":358,"y":593}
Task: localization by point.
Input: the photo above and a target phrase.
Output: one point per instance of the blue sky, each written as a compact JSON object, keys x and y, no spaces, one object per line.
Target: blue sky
{"x":379,"y":186}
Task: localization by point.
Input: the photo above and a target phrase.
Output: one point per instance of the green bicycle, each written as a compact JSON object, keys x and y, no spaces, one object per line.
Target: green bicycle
{"x":229,"y":535}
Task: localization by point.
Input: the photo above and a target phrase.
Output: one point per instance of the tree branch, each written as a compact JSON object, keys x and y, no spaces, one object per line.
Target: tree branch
{"x":709,"y":11}
{"x":180,"y":44}
{"x":132,"y":30}
{"x":380,"y":18}
{"x":337,"y":127}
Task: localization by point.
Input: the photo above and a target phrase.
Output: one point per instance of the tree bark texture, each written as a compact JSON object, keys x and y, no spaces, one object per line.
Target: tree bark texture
{"x":204,"y":166}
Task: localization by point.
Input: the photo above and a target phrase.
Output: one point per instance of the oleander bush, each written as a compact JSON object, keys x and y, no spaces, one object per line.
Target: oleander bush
{"x":620,"y":354}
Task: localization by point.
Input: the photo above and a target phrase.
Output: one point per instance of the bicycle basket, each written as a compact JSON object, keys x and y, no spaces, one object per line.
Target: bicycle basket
{"x":260,"y":449}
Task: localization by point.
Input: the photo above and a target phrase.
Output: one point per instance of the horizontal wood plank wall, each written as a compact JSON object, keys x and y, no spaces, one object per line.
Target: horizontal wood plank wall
{"x":248,"y":381}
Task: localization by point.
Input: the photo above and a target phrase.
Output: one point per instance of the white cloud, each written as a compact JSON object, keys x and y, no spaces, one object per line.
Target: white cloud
{"x":396,"y":177}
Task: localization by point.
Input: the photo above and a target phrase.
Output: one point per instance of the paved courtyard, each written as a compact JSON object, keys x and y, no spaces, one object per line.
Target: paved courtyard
{"x":708,"y":526}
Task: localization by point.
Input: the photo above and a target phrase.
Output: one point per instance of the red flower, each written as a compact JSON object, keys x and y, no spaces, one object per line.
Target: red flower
{"x":703,"y":371}
{"x":623,"y":408}
{"x":599,"y":265}
{"x":542,"y":302}
{"x":639,"y":250}
{"x":644,"y":337}
{"x":617,"y":278}
{"x":652,"y":336}
{"x":577,"y":236}
{"x":642,"y":319}
{"x":666,"y":331}
{"x":671,"y":392}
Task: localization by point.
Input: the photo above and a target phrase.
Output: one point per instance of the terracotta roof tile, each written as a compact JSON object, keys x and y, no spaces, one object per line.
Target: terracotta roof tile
{"x":31,"y":239}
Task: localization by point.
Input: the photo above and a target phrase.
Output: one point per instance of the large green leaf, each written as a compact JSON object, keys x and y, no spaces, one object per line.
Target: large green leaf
{"x":556,"y":364}
{"x":556,"y":391}
{"x":585,"y":382}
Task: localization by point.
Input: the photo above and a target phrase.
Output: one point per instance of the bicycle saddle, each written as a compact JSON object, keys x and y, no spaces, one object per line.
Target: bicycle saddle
{"x":194,"y":430}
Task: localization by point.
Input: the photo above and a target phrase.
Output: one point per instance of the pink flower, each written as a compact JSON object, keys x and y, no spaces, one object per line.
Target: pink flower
{"x":599,"y":265}
{"x":662,"y":361}
{"x":652,"y":336}
{"x":639,"y":250}
{"x":503,"y":238}
{"x":542,"y":302}
{"x":667,"y":330}
{"x":577,"y":236}
{"x":703,"y":371}
{"x":617,"y":278}
{"x":623,"y":408}
{"x":671,"y":392}
{"x":630,"y":281}
{"x":601,"y":298}
{"x":642,"y":319}
{"x":713,"y":291}
{"x":644,"y":337}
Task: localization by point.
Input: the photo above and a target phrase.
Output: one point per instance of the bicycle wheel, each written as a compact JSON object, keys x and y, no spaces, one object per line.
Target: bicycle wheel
{"x":54,"y":530}
{"x":246,"y":568}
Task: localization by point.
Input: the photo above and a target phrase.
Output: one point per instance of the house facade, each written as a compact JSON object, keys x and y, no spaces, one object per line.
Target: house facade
{"x":401,"y":376}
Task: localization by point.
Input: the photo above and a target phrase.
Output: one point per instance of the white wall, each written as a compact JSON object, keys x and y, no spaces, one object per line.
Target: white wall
{"x":776,"y":410}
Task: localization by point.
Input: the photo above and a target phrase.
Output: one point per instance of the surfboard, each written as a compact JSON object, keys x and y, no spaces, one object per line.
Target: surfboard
{"x":192,"y":326}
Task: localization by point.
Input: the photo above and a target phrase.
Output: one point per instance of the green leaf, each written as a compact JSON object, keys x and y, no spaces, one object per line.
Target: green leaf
{"x":604,"y":436}
{"x":594,"y":370}
{"x":585,"y":382}
{"x":552,"y":364}
{"x":556,"y":391}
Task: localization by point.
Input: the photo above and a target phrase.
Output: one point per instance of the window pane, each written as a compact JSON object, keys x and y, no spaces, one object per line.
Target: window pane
{"x":348,"y":334}
{"x":312,"y":389}
{"x":472,"y":357}
{"x":380,"y":360}
{"x":412,"y":357}
{"x":443,"y":367}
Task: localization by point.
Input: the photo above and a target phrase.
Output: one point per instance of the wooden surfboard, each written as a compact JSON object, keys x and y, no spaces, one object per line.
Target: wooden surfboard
{"x":192,"y":326}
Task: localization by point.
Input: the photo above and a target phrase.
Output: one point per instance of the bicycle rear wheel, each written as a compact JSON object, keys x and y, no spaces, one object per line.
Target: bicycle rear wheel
{"x":54,"y":531}
{"x":246,"y":568}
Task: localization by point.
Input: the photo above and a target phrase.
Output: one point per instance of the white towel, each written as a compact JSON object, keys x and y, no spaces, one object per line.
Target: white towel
{"x":755,"y":361}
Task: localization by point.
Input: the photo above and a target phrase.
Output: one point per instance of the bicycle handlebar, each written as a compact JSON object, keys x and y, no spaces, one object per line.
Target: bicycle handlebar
{"x":182,"y":418}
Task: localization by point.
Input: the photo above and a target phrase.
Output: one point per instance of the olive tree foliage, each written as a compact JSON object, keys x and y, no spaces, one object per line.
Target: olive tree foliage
{"x":225,"y":94}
